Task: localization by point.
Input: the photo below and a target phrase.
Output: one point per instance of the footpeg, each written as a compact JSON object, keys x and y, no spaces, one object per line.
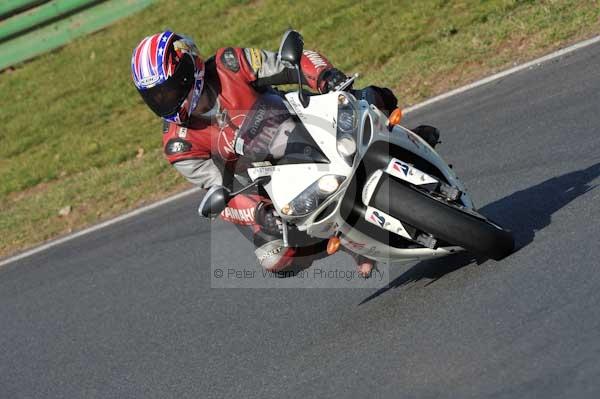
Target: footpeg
{"x":427,"y":241}
{"x":451,"y":193}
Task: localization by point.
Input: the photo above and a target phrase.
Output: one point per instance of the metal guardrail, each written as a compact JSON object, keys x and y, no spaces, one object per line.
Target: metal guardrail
{"x":54,"y":23}
{"x":9,"y":7}
{"x":37,"y":16}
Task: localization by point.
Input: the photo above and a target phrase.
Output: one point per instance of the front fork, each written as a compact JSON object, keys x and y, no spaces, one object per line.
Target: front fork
{"x":284,"y":228}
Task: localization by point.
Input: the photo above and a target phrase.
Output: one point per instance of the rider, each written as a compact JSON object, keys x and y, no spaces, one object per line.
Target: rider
{"x":203,"y":103}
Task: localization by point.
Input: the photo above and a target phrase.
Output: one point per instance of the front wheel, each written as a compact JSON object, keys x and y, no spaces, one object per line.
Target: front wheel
{"x":443,"y":220}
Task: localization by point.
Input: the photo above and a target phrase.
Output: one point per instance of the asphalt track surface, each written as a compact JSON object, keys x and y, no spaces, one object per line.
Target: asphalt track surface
{"x":128,"y":311}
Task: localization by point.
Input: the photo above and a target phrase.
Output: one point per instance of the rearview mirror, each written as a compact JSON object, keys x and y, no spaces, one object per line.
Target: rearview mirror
{"x":214,"y":201}
{"x":290,"y":54}
{"x":291,"y":47}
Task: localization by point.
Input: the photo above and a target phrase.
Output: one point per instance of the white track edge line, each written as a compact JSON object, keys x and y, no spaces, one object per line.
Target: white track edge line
{"x":435,"y":99}
{"x":505,"y":73}
{"x":96,"y":227}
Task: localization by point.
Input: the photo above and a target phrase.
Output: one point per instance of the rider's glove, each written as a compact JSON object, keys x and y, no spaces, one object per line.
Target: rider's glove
{"x":390,"y":102}
{"x":381,"y":97}
{"x":268,"y":220}
{"x":329,"y":79}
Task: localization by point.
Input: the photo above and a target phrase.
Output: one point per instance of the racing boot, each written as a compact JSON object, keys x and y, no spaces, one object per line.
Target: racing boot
{"x":271,"y":253}
{"x":268,"y":240}
{"x":364,"y":265}
{"x":428,"y":133}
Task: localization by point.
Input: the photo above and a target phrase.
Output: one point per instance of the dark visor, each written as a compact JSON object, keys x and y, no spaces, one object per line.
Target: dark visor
{"x":165,"y":99}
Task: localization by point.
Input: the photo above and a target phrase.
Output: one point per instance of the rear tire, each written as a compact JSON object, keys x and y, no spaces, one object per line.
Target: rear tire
{"x":442,"y":220}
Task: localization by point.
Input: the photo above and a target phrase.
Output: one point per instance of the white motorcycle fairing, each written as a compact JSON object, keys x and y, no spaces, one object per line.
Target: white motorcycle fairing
{"x":371,"y":126}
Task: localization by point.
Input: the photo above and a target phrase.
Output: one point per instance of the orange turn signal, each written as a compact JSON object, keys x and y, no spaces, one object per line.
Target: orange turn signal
{"x":333,"y":245}
{"x":395,"y":117}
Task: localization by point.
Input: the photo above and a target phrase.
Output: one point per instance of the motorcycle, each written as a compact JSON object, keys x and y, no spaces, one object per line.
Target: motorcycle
{"x":337,"y":168}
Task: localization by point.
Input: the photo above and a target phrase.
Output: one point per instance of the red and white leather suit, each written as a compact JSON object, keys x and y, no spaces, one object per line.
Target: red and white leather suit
{"x":236,"y":76}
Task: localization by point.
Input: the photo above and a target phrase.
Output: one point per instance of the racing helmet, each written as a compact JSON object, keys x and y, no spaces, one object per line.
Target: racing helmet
{"x":169,"y":75}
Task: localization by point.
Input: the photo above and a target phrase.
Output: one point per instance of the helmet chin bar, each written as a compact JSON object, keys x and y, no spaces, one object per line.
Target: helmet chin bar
{"x":191,"y":101}
{"x":186,"y":110}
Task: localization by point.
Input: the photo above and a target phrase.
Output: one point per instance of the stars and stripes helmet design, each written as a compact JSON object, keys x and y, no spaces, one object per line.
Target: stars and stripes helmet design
{"x":169,"y":75}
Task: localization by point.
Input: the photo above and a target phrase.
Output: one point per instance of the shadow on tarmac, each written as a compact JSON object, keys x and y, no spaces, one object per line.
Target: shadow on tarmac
{"x":524,"y":212}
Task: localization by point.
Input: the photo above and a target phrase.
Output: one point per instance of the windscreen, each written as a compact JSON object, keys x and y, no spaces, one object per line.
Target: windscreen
{"x":271,"y":133}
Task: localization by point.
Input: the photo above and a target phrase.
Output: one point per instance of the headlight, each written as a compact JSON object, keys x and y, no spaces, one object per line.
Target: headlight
{"x":313,"y":196}
{"x":346,"y":146}
{"x":346,"y":127}
{"x":328,"y":184}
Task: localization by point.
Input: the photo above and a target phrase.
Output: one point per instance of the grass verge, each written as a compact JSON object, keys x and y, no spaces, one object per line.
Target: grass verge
{"x":76,"y":137}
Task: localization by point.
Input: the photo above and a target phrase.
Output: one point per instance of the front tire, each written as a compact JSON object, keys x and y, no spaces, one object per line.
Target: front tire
{"x":442,"y":220}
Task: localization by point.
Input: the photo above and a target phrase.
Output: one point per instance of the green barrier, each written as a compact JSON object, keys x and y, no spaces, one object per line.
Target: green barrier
{"x":8,"y":7}
{"x":59,"y":33}
{"x":37,"y":16}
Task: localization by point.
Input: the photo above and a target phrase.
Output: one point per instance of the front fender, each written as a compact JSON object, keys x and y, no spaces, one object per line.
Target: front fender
{"x":401,"y":137}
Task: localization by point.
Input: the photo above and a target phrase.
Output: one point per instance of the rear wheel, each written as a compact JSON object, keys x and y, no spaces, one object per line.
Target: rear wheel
{"x":444,"y":220}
